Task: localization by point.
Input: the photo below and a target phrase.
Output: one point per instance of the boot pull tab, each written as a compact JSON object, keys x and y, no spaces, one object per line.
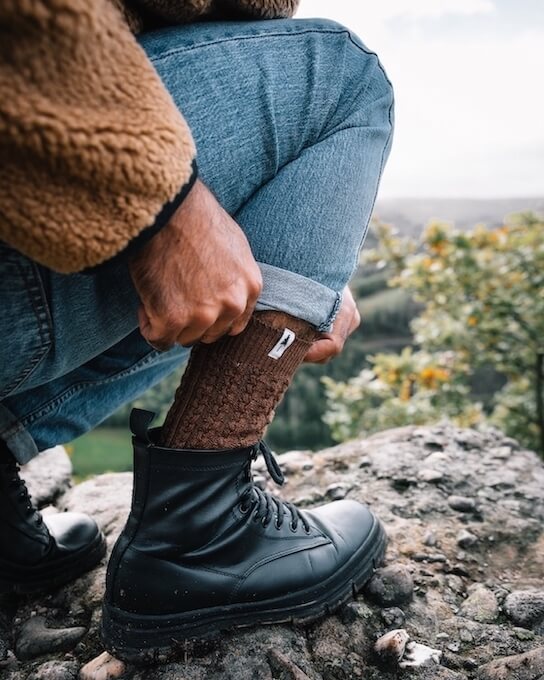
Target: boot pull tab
{"x":140,"y":421}
{"x":272,"y":464}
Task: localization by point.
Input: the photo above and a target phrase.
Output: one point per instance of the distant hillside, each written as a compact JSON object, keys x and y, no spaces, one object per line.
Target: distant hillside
{"x":409,"y":215}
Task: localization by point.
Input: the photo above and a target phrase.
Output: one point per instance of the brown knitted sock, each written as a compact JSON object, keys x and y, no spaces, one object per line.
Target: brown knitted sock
{"x":230,"y":389}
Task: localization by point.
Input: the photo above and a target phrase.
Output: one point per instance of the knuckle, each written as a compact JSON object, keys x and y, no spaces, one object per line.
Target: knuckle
{"x":205,"y":318}
{"x":235,"y":306}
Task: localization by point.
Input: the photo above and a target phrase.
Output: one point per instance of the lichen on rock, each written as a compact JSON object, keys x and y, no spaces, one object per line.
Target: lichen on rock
{"x":464,"y":572}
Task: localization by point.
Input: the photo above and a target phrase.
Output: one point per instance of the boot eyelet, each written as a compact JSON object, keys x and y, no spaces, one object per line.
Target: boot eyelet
{"x":244,"y":509}
{"x":277,"y":526}
{"x":307,"y":531}
{"x":292,"y":527}
{"x":264,"y":522}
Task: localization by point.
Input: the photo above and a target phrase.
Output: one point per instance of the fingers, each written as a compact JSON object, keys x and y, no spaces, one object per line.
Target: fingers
{"x":331,"y":344}
{"x":164,"y":331}
{"x":323,"y":350}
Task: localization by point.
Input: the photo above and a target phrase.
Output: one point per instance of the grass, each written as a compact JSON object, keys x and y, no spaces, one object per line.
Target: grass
{"x":102,"y":450}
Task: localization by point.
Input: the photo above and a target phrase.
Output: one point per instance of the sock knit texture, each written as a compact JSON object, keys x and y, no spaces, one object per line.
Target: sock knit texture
{"x":231,"y":388}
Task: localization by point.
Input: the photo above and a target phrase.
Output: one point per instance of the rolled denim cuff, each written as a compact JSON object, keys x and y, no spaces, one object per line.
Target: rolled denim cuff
{"x":303,"y":298}
{"x":16,"y":437}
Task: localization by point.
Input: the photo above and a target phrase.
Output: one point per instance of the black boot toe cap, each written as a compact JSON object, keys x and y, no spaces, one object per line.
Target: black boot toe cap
{"x":347,"y":523}
{"x":72,"y":531}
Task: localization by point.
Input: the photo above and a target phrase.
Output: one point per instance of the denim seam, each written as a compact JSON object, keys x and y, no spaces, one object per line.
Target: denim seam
{"x":325,"y":326}
{"x":256,"y":36}
{"x":43,"y":319}
{"x":77,"y":387}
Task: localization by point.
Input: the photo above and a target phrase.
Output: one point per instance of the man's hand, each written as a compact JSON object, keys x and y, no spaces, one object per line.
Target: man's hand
{"x":197,"y":278}
{"x":331,"y":344}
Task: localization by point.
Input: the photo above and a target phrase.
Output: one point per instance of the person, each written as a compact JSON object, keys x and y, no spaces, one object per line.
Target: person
{"x":124,"y":251}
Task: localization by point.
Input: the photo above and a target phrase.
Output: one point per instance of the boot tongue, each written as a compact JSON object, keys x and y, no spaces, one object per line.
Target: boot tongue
{"x":272,"y":464}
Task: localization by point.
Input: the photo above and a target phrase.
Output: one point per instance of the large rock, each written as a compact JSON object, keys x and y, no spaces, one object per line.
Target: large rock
{"x":48,"y":475}
{"x":464,"y":571}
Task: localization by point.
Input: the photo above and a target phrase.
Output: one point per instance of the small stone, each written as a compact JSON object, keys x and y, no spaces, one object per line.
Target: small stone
{"x":430,"y":476}
{"x":430,"y":539}
{"x":391,"y":586}
{"x":103,"y":667}
{"x":462,"y":504}
{"x":35,"y":639}
{"x":465,"y":539}
{"x":524,"y":634}
{"x":526,"y":608}
{"x":481,"y":605}
{"x":56,"y":670}
{"x":391,"y":646}
{"x":356,"y":611}
{"x":336,"y":492}
{"x":365,"y":462}
{"x":437,"y":557}
{"x":465,"y":635}
{"x":417,"y":655}
{"x":393,"y":616}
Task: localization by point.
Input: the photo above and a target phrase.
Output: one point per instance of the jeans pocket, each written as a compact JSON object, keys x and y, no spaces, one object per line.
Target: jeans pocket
{"x":26,"y":332}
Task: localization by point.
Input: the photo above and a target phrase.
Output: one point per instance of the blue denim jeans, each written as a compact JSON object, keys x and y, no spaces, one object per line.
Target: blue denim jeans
{"x":292,"y":121}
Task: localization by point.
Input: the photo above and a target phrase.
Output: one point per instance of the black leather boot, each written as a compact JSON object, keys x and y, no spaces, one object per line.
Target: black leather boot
{"x":38,"y":553}
{"x":205,"y":550}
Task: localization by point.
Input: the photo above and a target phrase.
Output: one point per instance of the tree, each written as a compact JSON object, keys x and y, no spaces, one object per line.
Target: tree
{"x":483,"y":303}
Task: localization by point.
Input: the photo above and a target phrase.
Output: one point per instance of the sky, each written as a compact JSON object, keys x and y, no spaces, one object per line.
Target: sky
{"x":469,"y":88}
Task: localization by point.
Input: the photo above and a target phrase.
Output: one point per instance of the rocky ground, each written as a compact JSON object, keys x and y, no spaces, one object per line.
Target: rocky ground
{"x":461,"y":594}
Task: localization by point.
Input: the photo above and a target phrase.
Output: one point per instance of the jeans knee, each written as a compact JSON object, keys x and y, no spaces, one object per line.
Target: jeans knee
{"x":367,"y":95}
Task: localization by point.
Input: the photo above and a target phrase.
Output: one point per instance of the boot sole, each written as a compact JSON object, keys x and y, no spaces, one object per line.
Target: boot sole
{"x":31,"y":580}
{"x":155,"y":639}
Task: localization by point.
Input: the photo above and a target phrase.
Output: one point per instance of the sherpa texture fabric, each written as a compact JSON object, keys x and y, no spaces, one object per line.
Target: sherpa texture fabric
{"x":92,"y":147}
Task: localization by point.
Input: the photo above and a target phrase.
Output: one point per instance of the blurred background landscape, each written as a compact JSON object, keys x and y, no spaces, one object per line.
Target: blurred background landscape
{"x":387,"y":313}
{"x":469,"y":111}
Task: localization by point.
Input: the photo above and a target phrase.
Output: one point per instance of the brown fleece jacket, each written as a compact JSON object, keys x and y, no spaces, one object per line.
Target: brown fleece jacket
{"x":93,"y":151}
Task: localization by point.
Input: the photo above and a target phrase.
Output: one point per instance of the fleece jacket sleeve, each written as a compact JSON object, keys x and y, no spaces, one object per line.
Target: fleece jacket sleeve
{"x":180,"y":11}
{"x":94,"y":154}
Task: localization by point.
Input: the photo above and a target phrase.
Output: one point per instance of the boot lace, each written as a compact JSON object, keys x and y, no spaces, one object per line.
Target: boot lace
{"x":21,"y":493}
{"x":265,"y":506}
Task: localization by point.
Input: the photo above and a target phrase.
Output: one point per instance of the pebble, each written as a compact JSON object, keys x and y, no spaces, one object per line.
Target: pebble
{"x":391,"y":646}
{"x":103,"y":667}
{"x":481,"y":605}
{"x":35,"y":639}
{"x":462,"y":504}
{"x":430,"y":476}
{"x":524,"y":634}
{"x":356,"y":610}
{"x":416,"y":655}
{"x":335,"y":492}
{"x":526,"y":608}
{"x":466,"y":539}
{"x":430,"y":539}
{"x":393,"y":616}
{"x":391,"y":586}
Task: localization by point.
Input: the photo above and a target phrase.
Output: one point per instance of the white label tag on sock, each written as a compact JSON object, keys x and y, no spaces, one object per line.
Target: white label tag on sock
{"x":283,"y":344}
